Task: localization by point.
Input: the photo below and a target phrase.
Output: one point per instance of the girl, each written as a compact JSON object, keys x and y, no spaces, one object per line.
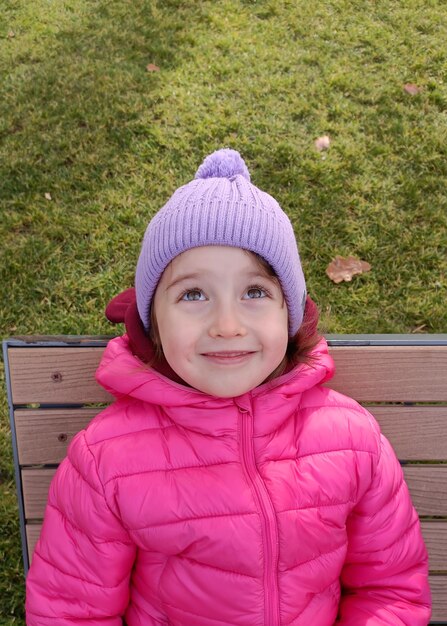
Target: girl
{"x":226,"y":485}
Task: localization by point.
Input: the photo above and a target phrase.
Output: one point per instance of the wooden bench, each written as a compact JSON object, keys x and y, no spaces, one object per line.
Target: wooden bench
{"x":401,"y":378}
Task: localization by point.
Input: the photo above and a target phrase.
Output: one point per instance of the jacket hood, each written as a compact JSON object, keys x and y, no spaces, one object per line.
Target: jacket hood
{"x":123,"y":374}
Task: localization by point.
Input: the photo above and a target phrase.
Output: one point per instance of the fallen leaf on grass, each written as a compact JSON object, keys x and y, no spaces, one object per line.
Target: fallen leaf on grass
{"x":152,"y":68}
{"x":322,"y":143}
{"x":11,"y":34}
{"x":412,"y":89}
{"x":344,"y":268}
{"x":48,"y":196}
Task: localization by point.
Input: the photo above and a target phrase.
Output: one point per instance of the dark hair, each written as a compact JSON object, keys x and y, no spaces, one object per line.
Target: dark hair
{"x":299,"y":346}
{"x":304,"y":341}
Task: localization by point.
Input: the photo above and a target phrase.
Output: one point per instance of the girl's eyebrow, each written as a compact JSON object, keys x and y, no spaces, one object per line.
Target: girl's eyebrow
{"x":182,"y":277}
{"x":251,"y":275}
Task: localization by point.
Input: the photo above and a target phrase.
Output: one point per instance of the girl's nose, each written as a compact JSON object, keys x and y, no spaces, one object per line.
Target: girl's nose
{"x":227,"y":323}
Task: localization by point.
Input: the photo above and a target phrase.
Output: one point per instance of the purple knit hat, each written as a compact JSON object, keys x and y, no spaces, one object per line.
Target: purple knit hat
{"x":221,"y":207}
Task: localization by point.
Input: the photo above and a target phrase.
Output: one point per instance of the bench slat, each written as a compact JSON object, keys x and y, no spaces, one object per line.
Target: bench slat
{"x":40,"y":432}
{"x":435,"y":537}
{"x":367,"y":373}
{"x":32,"y":535}
{"x":391,"y":373}
{"x":55,"y":375}
{"x":44,"y":435}
{"x":428,"y":488}
{"x":427,"y":483}
{"x":35,"y":485}
{"x":424,"y":436}
{"x":438,"y":584}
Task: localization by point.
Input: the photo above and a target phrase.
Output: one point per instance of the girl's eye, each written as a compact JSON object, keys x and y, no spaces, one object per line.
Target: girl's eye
{"x":192,"y":294}
{"x":256,"y":292}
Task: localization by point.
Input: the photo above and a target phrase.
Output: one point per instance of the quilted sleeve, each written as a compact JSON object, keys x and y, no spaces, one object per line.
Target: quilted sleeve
{"x":385,"y":577}
{"x":81,"y":566}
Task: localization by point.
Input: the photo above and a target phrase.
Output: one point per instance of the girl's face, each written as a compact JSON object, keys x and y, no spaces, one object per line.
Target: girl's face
{"x":222,"y":321}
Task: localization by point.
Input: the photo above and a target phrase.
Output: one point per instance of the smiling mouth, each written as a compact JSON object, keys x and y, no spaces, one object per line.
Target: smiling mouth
{"x":233,"y":356}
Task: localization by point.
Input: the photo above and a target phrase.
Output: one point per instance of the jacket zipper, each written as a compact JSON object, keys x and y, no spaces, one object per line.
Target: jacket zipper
{"x":268,"y":517}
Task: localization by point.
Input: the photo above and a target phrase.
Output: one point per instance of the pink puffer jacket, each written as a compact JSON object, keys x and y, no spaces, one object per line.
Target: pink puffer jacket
{"x":284,"y":506}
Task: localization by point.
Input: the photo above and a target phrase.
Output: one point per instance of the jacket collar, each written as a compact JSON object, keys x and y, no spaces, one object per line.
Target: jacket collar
{"x":123,"y":374}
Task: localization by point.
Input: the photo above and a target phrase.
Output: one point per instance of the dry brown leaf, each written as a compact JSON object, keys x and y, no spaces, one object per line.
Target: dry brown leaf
{"x":152,"y":68}
{"x":344,"y":268}
{"x":322,"y":143}
{"x":48,"y":196}
{"x":11,"y":34}
{"x":412,"y":89}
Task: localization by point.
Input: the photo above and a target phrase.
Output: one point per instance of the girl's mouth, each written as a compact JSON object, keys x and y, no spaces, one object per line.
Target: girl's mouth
{"x":228,"y":357}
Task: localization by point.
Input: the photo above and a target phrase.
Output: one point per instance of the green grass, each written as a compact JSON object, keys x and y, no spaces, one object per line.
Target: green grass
{"x":82,"y":120}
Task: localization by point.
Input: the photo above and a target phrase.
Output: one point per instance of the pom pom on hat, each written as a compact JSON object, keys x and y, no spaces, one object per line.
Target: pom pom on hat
{"x":224,"y":163}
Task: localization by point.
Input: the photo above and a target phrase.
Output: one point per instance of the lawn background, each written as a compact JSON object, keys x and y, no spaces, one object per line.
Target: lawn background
{"x":83,"y":120}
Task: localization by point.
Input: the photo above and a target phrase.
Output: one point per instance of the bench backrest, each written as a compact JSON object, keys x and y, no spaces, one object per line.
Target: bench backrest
{"x":402,"y":379}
